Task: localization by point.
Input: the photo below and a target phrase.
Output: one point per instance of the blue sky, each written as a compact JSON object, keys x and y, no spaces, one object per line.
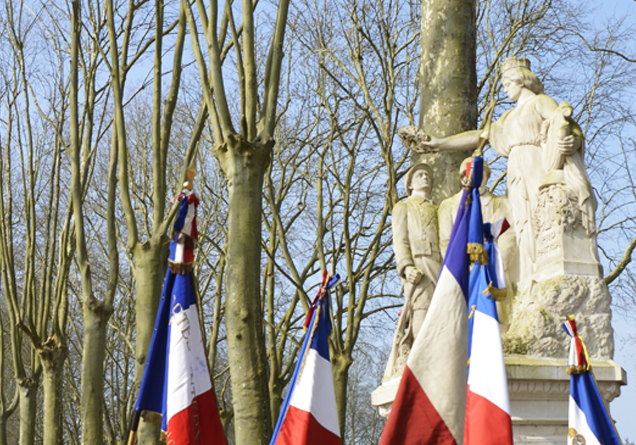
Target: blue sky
{"x":622,"y":409}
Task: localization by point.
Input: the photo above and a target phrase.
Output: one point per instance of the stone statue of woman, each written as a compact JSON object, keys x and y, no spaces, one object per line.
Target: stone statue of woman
{"x":533,"y":138}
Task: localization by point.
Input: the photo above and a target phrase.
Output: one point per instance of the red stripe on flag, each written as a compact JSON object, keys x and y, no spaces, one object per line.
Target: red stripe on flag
{"x":301,"y":428}
{"x":413,"y":419}
{"x":486,"y":423}
{"x":198,"y":423}
{"x":188,"y":255}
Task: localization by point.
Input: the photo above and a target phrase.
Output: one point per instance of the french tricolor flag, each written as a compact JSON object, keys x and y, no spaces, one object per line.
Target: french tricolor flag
{"x":430,"y":404}
{"x":308,"y":415}
{"x":176,"y":383}
{"x":588,"y":420}
{"x":487,"y":404}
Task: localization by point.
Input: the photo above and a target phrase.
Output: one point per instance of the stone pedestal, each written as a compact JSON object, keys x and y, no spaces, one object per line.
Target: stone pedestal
{"x":539,"y":391}
{"x":563,"y":244}
{"x":383,"y":396}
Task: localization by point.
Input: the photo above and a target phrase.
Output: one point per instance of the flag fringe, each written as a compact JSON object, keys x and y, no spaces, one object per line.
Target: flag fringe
{"x":181,"y":268}
{"x":576,"y":369}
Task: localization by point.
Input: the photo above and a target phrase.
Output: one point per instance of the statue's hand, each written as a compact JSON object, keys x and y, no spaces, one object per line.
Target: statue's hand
{"x":430,"y":146}
{"x":413,"y":275}
{"x":568,"y":145}
{"x":415,"y":139}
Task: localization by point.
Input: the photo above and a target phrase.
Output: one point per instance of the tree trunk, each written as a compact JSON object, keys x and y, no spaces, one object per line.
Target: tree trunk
{"x":3,"y":430}
{"x":150,"y":270}
{"x":448,"y":82}
{"x":244,"y":164}
{"x":340,"y":365}
{"x":28,"y":397}
{"x":93,"y":353}
{"x":53,"y":358}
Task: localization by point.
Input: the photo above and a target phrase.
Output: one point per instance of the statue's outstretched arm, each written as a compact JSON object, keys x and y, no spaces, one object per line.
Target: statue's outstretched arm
{"x":415,"y":139}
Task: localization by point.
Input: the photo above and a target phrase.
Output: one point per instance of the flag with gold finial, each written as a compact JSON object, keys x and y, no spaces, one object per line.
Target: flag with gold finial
{"x":176,"y":389}
{"x":589,"y":422}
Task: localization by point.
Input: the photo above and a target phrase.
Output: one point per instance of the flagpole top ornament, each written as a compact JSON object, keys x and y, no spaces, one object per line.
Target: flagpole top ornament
{"x":191,"y":172}
{"x":579,"y":360}
{"x":513,"y":62}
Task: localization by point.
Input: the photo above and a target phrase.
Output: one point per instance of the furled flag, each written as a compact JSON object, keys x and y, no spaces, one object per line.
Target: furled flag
{"x":487,"y":406}
{"x":588,"y":420}
{"x":176,"y":388}
{"x":496,"y":274}
{"x":430,"y":403}
{"x":308,"y":415}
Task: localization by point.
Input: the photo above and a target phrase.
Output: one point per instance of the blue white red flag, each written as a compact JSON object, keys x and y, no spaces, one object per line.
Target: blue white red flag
{"x":176,"y":385}
{"x":308,"y":415}
{"x":588,"y":419}
{"x":430,"y":404}
{"x":487,"y":406}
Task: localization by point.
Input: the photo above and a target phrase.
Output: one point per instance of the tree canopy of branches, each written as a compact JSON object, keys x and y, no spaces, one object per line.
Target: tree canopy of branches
{"x":293,"y":109}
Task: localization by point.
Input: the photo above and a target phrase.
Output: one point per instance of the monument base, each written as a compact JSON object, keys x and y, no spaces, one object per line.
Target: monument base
{"x":539,"y":390}
{"x":383,"y":396}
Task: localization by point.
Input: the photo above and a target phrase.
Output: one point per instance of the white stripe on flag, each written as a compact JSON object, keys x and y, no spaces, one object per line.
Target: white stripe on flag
{"x":578,"y":421}
{"x":314,"y":391}
{"x":187,"y":224}
{"x":178,"y":253}
{"x":499,"y":268}
{"x":188,"y":374}
{"x":487,"y":376}
{"x":440,"y":351}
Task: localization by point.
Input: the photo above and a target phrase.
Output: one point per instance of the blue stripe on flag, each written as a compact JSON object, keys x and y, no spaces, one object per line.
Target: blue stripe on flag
{"x":586,"y":395}
{"x":149,"y":399}
{"x":320,"y":339}
{"x":457,"y":260}
{"x":183,"y":212}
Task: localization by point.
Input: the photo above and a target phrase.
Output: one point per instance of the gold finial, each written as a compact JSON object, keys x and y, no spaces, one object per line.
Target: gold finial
{"x":191,"y":172}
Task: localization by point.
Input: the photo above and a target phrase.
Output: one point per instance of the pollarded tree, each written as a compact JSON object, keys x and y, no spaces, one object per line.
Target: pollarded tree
{"x":244,"y":156}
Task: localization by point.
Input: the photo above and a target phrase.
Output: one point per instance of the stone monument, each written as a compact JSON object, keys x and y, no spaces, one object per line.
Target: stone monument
{"x":552,"y":207}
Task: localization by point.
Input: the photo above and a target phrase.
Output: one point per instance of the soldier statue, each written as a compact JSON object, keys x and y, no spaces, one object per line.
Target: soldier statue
{"x":418,"y":258}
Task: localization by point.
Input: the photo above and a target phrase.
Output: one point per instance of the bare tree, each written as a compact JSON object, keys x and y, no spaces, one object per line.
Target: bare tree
{"x":244,"y":157}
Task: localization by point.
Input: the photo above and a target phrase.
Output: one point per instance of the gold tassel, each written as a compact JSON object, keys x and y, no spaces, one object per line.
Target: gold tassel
{"x":181,"y":268}
{"x":495,"y":293}
{"x":162,"y":437}
{"x":477,"y":253}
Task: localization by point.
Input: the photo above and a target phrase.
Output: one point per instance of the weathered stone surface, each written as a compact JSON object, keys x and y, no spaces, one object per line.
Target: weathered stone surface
{"x":538,"y":312}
